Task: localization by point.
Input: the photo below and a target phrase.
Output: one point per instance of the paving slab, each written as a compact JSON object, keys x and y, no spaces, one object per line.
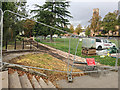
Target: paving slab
{"x":109,"y":80}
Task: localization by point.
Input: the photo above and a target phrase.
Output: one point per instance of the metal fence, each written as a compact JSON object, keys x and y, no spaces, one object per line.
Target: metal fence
{"x":20,"y":45}
{"x":69,"y":47}
{"x":1,"y":36}
{"x":75,"y":48}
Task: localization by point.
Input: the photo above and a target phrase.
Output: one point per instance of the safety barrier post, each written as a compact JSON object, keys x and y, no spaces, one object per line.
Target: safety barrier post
{"x":23,"y":45}
{"x":15,"y":45}
{"x":6,"y":45}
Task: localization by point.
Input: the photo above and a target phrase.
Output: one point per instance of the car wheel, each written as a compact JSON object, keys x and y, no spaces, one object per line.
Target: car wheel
{"x":114,"y":46}
{"x":99,"y":48}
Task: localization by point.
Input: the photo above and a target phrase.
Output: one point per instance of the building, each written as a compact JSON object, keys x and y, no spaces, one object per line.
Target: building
{"x":100,"y":30}
{"x":95,"y":12}
{"x":93,"y":20}
{"x":82,"y":34}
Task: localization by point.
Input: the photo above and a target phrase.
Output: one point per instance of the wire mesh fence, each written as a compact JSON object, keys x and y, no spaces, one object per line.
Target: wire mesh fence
{"x":68,"y":48}
{"x":102,"y":57}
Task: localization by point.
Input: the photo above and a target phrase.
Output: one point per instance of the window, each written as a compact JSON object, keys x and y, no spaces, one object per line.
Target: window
{"x":105,"y":41}
{"x":98,"y":40}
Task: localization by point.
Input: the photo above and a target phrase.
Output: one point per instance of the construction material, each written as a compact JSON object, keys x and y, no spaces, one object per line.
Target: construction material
{"x":115,"y":55}
{"x":88,"y":52}
{"x":113,"y":50}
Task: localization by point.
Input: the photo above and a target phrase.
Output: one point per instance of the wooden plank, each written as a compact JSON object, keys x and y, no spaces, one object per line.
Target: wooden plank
{"x":90,"y":52}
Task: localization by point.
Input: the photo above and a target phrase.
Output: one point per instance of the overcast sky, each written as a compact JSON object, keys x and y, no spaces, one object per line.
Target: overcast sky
{"x":81,"y":10}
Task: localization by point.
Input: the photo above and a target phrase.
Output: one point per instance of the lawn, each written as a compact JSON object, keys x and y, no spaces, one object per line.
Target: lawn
{"x":63,"y":44}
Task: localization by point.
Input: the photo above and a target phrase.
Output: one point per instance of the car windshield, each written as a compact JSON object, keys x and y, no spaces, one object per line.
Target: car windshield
{"x":98,"y":40}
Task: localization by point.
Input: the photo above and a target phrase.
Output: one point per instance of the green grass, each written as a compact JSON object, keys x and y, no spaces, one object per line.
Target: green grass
{"x":63,"y":44}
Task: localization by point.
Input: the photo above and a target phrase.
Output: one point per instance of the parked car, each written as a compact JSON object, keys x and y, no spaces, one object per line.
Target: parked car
{"x":104,"y":44}
{"x":97,"y":43}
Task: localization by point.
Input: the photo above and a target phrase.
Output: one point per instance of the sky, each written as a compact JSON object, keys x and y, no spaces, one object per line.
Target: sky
{"x":82,"y":10}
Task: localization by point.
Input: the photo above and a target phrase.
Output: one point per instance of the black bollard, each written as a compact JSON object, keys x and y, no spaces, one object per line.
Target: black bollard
{"x":6,"y":45}
{"x":23,"y":45}
{"x":15,"y":45}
